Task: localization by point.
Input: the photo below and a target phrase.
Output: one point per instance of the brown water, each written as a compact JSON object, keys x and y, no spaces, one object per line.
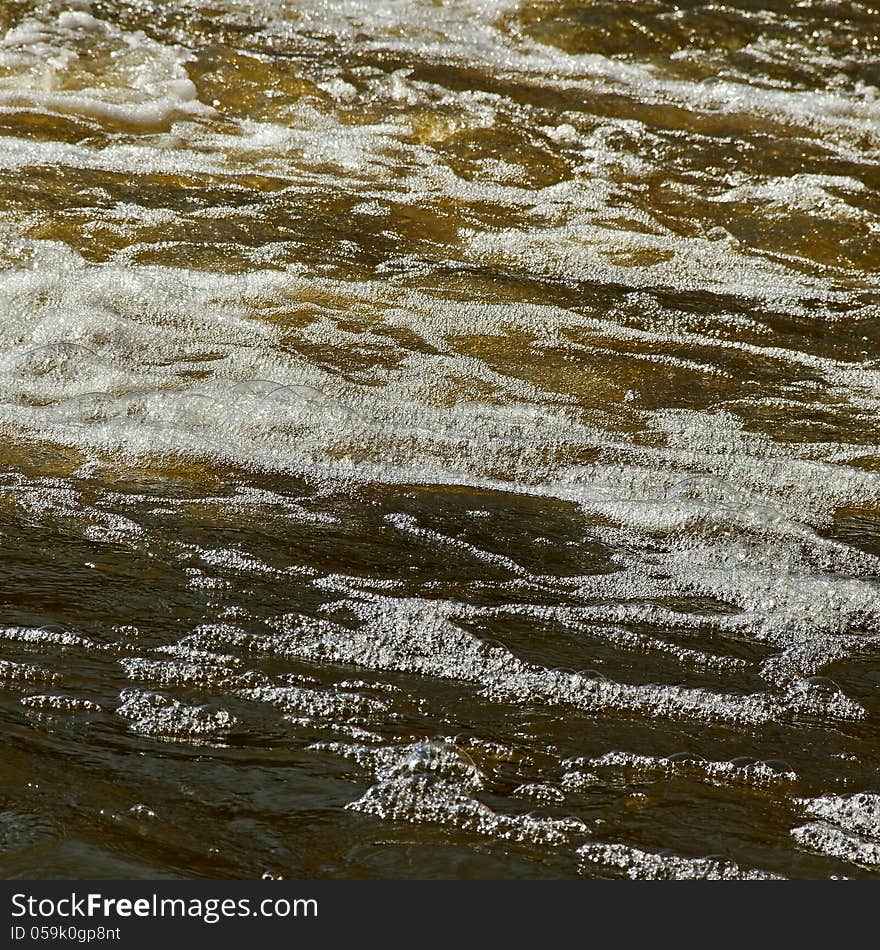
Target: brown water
{"x":439,"y":439}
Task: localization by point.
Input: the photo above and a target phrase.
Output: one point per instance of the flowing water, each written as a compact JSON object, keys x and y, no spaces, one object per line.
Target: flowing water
{"x":439,"y":439}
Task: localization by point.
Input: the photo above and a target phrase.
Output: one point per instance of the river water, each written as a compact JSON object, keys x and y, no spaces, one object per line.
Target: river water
{"x":439,"y":439}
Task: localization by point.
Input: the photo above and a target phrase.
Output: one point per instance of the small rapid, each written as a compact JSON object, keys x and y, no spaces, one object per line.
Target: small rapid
{"x":439,"y":439}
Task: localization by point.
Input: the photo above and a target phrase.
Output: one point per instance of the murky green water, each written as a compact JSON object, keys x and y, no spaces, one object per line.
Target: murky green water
{"x":439,"y":439}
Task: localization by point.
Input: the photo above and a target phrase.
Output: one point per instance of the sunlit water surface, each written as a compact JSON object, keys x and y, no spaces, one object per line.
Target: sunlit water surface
{"x":439,"y":439}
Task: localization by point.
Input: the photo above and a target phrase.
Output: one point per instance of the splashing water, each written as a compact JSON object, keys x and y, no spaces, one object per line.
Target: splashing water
{"x":448,"y":426}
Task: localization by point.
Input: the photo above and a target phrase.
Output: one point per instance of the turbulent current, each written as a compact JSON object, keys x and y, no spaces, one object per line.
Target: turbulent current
{"x":438,"y":438}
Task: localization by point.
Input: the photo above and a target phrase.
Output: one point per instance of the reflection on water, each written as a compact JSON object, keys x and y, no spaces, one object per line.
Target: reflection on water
{"x":439,"y":438}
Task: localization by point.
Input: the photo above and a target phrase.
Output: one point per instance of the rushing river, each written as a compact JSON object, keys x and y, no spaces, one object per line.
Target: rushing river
{"x":439,"y":439}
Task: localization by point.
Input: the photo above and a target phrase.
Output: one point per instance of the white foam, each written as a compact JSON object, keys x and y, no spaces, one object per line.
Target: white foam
{"x":369,"y":380}
{"x":79,"y":65}
{"x":59,"y":703}
{"x":832,"y":841}
{"x":652,"y":768}
{"x":162,"y":717}
{"x":483,"y":35}
{"x":415,"y":635}
{"x":433,"y":783}
{"x":639,"y":865}
{"x":859,"y":813}
{"x":22,"y":675}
